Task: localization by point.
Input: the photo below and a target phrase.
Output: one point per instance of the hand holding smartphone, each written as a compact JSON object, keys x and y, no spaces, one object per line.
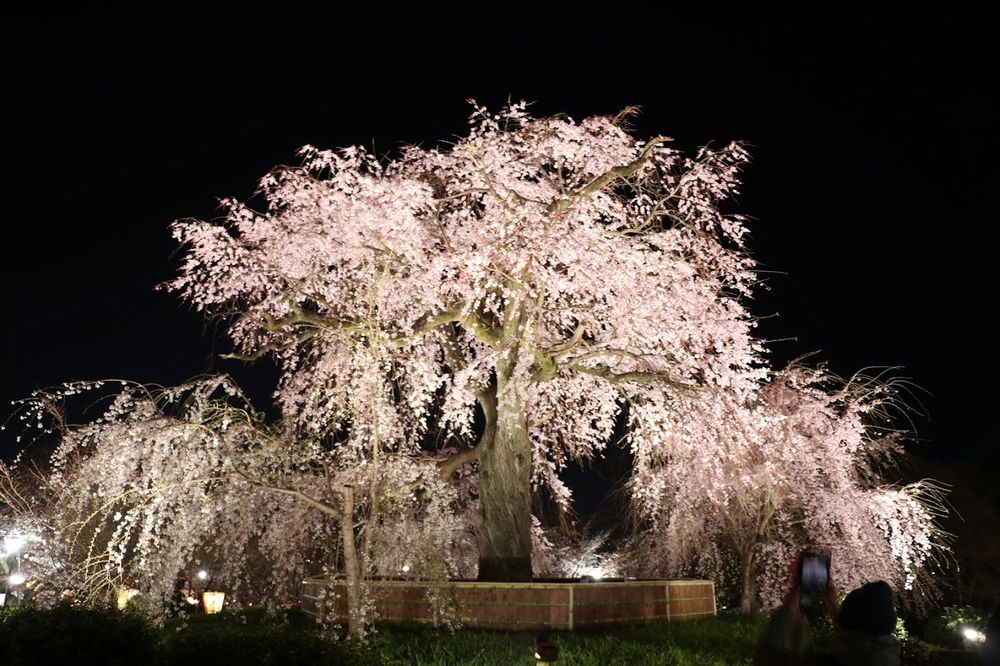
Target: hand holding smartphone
{"x":813,"y":580}
{"x":814,"y":571}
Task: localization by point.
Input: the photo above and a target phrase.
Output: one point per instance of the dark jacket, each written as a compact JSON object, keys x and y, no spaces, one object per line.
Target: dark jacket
{"x":859,"y":648}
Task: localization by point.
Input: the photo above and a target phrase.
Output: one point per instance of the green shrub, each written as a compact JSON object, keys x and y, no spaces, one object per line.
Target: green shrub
{"x":253,"y":636}
{"x":945,"y":629}
{"x":75,"y":635}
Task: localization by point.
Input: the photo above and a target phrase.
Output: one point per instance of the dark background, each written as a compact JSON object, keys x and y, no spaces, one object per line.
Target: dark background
{"x":872,"y":186}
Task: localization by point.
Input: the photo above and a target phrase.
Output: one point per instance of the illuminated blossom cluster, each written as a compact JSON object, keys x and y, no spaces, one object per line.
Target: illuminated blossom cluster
{"x":165,"y":481}
{"x":798,"y":467}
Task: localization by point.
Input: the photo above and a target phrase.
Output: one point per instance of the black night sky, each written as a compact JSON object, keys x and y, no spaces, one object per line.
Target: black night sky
{"x":873,"y":185}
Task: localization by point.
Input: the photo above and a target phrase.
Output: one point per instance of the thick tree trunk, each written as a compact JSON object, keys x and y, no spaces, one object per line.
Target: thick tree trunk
{"x":747,"y":591}
{"x":505,"y":492}
{"x":352,"y":567}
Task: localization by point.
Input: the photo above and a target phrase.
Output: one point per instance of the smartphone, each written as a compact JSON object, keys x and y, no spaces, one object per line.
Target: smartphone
{"x":814,"y":571}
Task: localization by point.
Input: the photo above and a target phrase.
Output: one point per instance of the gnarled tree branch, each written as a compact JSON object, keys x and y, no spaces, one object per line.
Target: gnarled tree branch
{"x":609,"y":176}
{"x":448,"y":466}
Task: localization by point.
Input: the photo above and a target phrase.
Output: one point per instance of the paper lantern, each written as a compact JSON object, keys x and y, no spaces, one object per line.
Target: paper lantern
{"x":125,"y":595}
{"x":213,"y":601}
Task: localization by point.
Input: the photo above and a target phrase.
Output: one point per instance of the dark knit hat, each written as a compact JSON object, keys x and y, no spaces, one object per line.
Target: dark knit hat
{"x":869,"y":609}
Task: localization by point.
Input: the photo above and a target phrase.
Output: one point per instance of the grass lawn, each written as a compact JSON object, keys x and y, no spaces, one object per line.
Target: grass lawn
{"x":722,"y":641}
{"x":78,"y":635}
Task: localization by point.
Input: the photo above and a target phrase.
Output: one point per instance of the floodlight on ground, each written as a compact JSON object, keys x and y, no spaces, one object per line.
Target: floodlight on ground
{"x":973,"y":635}
{"x":546,"y":652}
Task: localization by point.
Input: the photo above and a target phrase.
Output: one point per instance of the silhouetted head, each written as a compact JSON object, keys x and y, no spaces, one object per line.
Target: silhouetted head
{"x":870,"y":609}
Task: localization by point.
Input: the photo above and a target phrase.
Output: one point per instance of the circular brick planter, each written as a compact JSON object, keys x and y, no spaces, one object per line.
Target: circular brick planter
{"x":533,"y":606}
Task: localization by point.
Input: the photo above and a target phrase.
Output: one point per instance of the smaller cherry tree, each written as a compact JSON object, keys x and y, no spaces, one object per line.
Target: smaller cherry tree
{"x":165,"y":478}
{"x":799,"y":466}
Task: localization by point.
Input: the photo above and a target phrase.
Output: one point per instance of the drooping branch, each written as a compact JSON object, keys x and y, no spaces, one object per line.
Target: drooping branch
{"x":11,"y":494}
{"x":323,"y":507}
{"x":320,"y":505}
{"x":264,"y":350}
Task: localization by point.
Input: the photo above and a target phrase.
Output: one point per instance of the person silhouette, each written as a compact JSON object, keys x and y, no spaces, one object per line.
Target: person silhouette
{"x":864,"y":626}
{"x":786,"y":638}
{"x":178,"y":600}
{"x":990,"y":654}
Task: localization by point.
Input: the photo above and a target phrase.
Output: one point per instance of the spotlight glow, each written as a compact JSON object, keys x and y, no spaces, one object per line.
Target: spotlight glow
{"x":973,"y":635}
{"x":12,"y":544}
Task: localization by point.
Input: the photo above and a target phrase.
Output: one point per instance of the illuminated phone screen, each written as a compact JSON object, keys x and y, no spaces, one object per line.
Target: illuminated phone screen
{"x":815,"y":573}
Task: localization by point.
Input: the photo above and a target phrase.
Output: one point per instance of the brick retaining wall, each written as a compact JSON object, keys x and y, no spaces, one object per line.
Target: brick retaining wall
{"x":541,"y":605}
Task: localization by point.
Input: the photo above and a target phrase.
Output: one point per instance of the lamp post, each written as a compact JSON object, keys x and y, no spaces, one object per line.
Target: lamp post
{"x":12,"y":545}
{"x":14,"y":581}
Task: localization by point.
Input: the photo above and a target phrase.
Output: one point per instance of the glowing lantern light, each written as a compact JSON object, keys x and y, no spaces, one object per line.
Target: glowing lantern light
{"x":125,"y":595}
{"x":213,"y":601}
